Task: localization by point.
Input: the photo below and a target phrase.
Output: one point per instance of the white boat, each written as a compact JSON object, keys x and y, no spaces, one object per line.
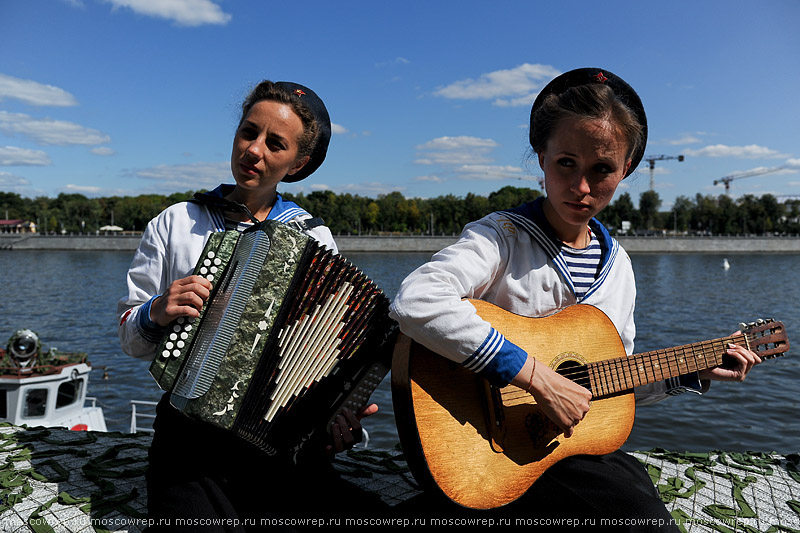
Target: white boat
{"x":46,"y":387}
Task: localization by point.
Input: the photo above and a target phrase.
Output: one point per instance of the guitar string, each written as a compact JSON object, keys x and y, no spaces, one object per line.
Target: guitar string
{"x":713,"y":349}
{"x":605,"y":370}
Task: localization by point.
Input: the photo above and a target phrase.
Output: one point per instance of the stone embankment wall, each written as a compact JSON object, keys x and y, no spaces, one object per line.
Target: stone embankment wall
{"x":363,"y":243}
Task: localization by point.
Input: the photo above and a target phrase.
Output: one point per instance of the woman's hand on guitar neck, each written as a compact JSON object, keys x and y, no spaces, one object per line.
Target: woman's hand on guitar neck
{"x":562,"y":400}
{"x":742,"y":359}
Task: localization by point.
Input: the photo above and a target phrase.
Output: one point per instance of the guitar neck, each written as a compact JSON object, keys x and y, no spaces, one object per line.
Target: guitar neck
{"x":621,"y":374}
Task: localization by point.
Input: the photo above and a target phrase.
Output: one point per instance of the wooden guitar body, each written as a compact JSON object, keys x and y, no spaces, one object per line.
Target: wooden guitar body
{"x":483,"y":447}
{"x":503,"y":441}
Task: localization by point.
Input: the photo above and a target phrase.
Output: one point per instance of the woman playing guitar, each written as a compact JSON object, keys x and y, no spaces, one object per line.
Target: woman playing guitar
{"x":588,"y":130}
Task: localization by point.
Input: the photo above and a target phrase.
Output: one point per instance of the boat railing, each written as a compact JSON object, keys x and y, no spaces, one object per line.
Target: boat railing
{"x":137,"y":414}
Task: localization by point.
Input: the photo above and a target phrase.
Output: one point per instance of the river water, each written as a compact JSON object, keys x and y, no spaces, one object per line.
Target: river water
{"x":69,"y":299}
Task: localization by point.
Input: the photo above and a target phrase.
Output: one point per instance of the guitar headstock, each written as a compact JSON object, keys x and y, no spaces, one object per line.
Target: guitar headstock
{"x":767,"y":338}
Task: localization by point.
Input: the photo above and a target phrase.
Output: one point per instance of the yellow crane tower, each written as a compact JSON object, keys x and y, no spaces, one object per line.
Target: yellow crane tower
{"x":651,"y":160}
{"x":757,"y":172}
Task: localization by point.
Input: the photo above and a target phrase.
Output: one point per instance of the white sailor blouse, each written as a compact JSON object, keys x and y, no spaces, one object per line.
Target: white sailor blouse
{"x":169,"y":249}
{"x":512,"y":259}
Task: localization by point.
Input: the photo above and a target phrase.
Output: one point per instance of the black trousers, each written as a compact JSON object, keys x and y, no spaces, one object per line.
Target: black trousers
{"x":611,"y":490}
{"x":200,"y":478}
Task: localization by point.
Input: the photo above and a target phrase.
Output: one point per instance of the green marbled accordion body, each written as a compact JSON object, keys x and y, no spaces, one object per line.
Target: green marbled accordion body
{"x":291,"y":334}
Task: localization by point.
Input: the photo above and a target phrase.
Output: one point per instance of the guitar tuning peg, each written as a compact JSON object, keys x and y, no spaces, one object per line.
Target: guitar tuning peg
{"x":743,"y":326}
{"x":761,"y":321}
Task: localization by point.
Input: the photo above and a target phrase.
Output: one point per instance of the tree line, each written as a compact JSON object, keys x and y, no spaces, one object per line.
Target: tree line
{"x":394,"y":213}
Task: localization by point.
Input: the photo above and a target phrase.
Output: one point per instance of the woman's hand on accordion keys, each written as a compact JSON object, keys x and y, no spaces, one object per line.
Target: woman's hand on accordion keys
{"x":184,"y":297}
{"x":346,"y":430}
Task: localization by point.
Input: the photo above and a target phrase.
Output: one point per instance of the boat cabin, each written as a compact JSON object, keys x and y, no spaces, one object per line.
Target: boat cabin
{"x":45,"y":388}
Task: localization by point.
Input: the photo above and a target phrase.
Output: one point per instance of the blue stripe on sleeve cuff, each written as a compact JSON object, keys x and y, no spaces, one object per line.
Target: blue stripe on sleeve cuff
{"x":497,"y":359}
{"x":151,"y":331}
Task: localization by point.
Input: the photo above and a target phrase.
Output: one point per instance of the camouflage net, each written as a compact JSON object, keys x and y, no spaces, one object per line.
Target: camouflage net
{"x":55,"y":480}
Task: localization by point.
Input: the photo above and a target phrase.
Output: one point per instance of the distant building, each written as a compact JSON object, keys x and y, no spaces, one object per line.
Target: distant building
{"x":17,"y":226}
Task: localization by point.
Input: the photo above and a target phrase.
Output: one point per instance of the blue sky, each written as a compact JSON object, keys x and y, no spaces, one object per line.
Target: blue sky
{"x":124,"y":97}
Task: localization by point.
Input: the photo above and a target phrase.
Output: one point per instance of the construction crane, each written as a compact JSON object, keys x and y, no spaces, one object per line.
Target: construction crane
{"x":652,"y":161}
{"x":758,"y":172}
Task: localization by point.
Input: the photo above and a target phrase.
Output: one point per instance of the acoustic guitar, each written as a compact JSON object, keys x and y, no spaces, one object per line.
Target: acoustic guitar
{"x":484,"y":446}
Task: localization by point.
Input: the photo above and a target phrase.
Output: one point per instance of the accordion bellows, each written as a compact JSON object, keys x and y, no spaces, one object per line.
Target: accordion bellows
{"x":291,"y":334}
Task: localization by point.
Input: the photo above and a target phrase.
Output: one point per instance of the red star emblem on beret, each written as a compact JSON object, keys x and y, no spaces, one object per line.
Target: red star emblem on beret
{"x":600,"y":77}
{"x":299,"y":92}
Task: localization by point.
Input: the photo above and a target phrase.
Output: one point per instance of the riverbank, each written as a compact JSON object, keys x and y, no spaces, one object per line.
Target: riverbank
{"x":61,"y":480}
{"x":428,"y":244}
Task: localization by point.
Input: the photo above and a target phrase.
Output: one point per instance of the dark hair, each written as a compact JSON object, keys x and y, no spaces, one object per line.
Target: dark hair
{"x":273,"y":92}
{"x":594,"y":101}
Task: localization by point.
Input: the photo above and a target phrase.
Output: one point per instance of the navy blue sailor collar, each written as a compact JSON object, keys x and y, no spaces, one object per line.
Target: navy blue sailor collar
{"x":534,"y":212}
{"x":531,"y":217}
{"x":282,"y":210}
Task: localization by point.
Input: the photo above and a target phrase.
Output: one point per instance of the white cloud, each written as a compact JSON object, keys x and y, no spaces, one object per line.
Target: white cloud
{"x":34,"y":93}
{"x":12,"y":156}
{"x":489,"y":172}
{"x":794,"y":163}
{"x":511,"y":87}
{"x":338,"y":129}
{"x":13,"y":183}
{"x":751,"y":151}
{"x":48,"y":131}
{"x":457,"y":143}
{"x":432,"y":179}
{"x":686,"y":139}
{"x":102,"y":150}
{"x":192,"y":176}
{"x":83,"y":189}
{"x":182,"y":12}
{"x":451,"y":151}
{"x":464,"y":158}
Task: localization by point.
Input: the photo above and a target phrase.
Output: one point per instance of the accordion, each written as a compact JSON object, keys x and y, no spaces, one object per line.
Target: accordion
{"x":290,"y":336}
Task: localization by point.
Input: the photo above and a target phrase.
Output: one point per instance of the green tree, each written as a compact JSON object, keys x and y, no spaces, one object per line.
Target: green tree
{"x":649,"y":204}
{"x":681,"y":214}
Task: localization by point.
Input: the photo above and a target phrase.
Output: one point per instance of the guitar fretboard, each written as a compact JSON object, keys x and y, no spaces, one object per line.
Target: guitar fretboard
{"x":625,"y":373}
